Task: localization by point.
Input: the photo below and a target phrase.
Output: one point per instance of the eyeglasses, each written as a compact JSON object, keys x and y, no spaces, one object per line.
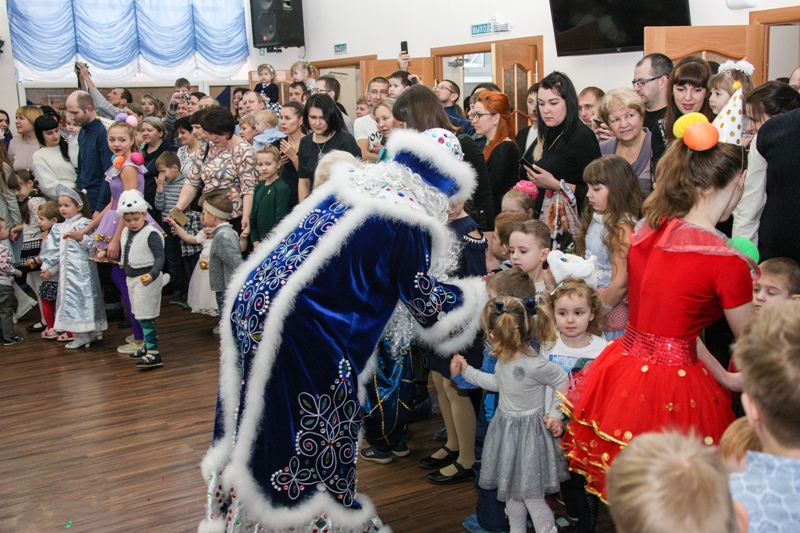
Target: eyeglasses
{"x":318,"y":90}
{"x":641,"y":83}
{"x":445,"y":87}
{"x":474,"y":115}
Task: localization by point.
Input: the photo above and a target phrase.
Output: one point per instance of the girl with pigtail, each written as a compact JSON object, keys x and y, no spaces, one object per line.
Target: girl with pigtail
{"x":520,"y":453}
{"x":682,"y":277}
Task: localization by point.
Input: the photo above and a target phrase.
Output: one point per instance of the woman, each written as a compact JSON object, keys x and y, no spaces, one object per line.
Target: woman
{"x":5,"y":130}
{"x":386,"y":124}
{"x":761,"y":104}
{"x":682,"y":277}
{"x":688,"y":91}
{"x":292,"y":126}
{"x":151,"y":106}
{"x":527,"y":135}
{"x":153,"y":132}
{"x":51,"y":164}
{"x":623,"y":111}
{"x":22,"y":147}
{"x":229,"y":166}
{"x":491,"y":118}
{"x":328,"y":133}
{"x":191,"y":147}
{"x":565,"y":144}
{"x":238,"y":94}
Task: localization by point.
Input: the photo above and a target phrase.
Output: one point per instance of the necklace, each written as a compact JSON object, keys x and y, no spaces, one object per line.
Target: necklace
{"x":321,"y":148}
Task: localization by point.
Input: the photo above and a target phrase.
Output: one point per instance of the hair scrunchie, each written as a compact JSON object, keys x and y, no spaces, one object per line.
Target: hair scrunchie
{"x":528,"y":188}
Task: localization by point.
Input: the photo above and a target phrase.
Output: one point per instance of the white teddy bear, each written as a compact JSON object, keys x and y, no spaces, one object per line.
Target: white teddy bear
{"x":568,"y":265}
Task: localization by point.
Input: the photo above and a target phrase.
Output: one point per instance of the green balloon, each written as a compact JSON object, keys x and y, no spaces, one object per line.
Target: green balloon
{"x":746,"y":247}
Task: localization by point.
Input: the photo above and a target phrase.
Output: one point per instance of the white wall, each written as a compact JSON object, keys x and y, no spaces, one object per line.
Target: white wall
{"x":784,"y":50}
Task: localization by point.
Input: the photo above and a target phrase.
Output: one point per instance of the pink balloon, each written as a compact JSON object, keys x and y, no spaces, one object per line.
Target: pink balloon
{"x":132,"y":121}
{"x":137,"y":158}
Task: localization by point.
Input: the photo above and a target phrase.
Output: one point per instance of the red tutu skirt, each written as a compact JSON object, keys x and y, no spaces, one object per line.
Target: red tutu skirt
{"x":640,"y":383}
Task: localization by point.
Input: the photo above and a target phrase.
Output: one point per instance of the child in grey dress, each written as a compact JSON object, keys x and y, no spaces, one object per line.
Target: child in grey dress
{"x":521,"y":458}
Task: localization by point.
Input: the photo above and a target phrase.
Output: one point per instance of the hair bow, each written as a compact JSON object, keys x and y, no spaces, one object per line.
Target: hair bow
{"x":500,"y":308}
{"x":530,"y":305}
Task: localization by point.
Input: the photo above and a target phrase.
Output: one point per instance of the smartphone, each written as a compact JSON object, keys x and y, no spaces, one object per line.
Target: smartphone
{"x":404,"y":47}
{"x":598,"y":122}
{"x":178,"y":216}
{"x":525,"y":161}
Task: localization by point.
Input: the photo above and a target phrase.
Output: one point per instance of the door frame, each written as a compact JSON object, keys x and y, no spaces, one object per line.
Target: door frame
{"x":766,"y":18}
{"x":354,"y":61}
{"x":486,"y":47}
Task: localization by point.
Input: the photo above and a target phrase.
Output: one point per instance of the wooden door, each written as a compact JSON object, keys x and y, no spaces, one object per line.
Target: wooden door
{"x":515,"y":70}
{"x":419,"y":66}
{"x":717,"y":43}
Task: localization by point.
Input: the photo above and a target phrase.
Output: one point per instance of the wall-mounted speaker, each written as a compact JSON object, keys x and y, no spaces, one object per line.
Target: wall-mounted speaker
{"x":277,"y":23}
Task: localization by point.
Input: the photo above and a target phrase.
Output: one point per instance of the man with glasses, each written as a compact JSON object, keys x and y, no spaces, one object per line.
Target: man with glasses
{"x":331,"y":86}
{"x":449,"y":93}
{"x":365,"y":129}
{"x":651,"y":83}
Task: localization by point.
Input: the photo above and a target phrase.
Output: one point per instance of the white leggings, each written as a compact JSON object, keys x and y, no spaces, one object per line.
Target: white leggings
{"x":542,"y":516}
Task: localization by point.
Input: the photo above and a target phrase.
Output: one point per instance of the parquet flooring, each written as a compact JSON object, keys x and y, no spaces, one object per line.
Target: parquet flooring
{"x":89,"y":442}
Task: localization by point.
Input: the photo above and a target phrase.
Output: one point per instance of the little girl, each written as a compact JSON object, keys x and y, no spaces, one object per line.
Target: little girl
{"x":267,"y":89}
{"x":79,"y":306}
{"x":568,"y":326}
{"x":729,"y":78}
{"x":613,"y":206}
{"x":521,"y":457}
{"x":270,"y":196}
{"x":24,"y":187}
{"x":47,"y":216}
{"x":304,"y":72}
{"x":528,"y":247}
{"x":520,"y":199}
{"x":200,"y":297}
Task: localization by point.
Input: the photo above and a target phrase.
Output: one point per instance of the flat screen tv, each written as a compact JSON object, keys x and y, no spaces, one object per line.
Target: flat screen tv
{"x":585,"y":27}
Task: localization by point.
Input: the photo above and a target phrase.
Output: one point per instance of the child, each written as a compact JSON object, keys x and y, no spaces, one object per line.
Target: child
{"x":569,"y":323}
{"x":200,"y":297}
{"x":305,"y":73}
{"x":520,"y":199}
{"x":613,"y":206}
{"x":504,"y":224}
{"x":266,"y":88}
{"x":769,"y":356}
{"x":168,"y":188}
{"x":667,"y":482}
{"x":30,"y":199}
{"x":520,"y":454}
{"x":7,"y":275}
{"x":224,"y":255}
{"x":47,"y":216}
{"x":779,"y":281}
{"x":247,"y":128}
{"x":142,"y":257}
{"x":73,"y":130}
{"x":738,"y":439}
{"x":731,"y":76}
{"x":271,"y":194}
{"x":362,"y":108}
{"x":267,"y":129}
{"x":528,"y":246}
{"x":65,"y":253}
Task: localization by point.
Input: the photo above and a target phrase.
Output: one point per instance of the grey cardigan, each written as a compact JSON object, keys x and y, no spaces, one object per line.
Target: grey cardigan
{"x":224,"y":257}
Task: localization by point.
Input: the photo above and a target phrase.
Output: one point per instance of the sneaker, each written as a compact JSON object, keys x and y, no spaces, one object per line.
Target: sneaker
{"x":139,"y":353}
{"x":400,"y":450}
{"x":14,"y":339}
{"x":441,"y":435}
{"x":150,"y":360}
{"x":376,"y":456}
{"x":129,"y":339}
{"x":131,"y":347}
{"x":176,"y":299}
{"x":472,"y":525}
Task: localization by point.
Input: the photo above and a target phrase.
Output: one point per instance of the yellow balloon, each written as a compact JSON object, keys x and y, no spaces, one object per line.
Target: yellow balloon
{"x":679,"y":128}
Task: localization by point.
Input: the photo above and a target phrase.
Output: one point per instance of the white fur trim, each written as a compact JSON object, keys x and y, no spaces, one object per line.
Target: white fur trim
{"x":218,"y":525}
{"x":464,"y":321}
{"x":404,"y":140}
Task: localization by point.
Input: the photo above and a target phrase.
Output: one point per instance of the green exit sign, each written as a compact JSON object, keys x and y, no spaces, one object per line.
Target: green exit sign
{"x":481,"y":29}
{"x":340,"y":48}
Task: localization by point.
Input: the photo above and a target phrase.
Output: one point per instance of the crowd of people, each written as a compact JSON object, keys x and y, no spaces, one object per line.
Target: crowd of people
{"x":625,"y":238}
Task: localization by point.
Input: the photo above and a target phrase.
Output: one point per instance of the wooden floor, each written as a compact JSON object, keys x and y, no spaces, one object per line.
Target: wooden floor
{"x":91,"y":444}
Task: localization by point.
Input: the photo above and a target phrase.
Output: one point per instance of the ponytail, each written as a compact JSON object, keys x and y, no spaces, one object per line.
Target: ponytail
{"x":508,"y":326}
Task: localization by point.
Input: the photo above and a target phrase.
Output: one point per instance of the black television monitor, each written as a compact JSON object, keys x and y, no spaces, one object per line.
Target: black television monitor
{"x":585,"y":27}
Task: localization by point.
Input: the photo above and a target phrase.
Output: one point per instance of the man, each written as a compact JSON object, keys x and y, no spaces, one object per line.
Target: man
{"x":114,"y":102}
{"x":365,"y":129}
{"x":449,"y":93}
{"x":94,"y":155}
{"x":207,"y":101}
{"x":651,"y":82}
{"x":296,"y":91}
{"x":588,"y":100}
{"x":332,"y":87}
{"x":252,"y":102}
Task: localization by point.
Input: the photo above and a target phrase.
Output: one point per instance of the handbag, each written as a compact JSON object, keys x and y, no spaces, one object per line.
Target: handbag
{"x":560,"y":213}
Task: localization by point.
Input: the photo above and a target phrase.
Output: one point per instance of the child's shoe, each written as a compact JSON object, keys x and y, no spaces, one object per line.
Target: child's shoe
{"x":80,"y":340}
{"x":376,"y":456}
{"x":131,"y":347}
{"x":401,"y":450}
{"x":14,"y":339}
{"x":176,"y":299}
{"x":151,"y":359}
{"x":141,"y":351}
{"x":49,"y":334}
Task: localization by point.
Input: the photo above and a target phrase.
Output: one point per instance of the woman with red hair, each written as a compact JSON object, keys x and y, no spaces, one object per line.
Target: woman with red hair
{"x":491,"y":117}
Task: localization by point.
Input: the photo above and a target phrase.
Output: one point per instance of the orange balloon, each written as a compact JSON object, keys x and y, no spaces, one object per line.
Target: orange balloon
{"x":118,"y":162}
{"x":701,"y":136}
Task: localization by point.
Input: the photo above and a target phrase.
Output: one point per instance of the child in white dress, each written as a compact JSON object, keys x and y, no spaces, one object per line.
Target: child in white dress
{"x":200,"y":297}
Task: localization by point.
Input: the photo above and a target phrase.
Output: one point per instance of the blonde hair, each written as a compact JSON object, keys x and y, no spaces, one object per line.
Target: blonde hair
{"x":768,"y":354}
{"x":129,"y":131}
{"x":527,"y":203}
{"x":737,"y":440}
{"x":615,"y":99}
{"x":724,"y":81}
{"x":268,"y":116}
{"x":667,"y":482}
{"x":249,"y":120}
{"x":537,"y":229}
{"x":266,"y":66}
{"x":546,"y":312}
{"x":271,"y":150}
{"x":509,"y":326}
{"x":505,"y":223}
{"x":512,"y":282}
{"x":31,"y":112}
{"x":785,"y":269}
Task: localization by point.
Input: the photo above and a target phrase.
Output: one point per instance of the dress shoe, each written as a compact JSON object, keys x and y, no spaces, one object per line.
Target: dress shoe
{"x":36,"y":328}
{"x":462,"y":474}
{"x":431,"y":463}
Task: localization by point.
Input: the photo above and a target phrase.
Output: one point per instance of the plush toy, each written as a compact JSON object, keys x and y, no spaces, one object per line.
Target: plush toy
{"x":568,"y":265}
{"x":131,"y":201}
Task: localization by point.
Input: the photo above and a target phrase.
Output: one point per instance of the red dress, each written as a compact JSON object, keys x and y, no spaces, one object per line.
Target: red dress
{"x":680,"y":278}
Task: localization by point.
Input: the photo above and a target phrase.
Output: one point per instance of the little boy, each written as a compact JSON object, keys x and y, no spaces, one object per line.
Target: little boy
{"x":780,"y":281}
{"x":7,"y":274}
{"x":225,"y":255}
{"x":768,"y":354}
{"x":142,"y":257}
{"x":267,"y":128}
{"x":504,"y":223}
{"x":181,"y":257}
{"x":528,"y":246}
{"x":270,"y":196}
{"x":267,"y":88}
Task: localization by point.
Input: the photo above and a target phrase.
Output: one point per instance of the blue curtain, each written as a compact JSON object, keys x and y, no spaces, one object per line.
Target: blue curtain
{"x":47,"y":34}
